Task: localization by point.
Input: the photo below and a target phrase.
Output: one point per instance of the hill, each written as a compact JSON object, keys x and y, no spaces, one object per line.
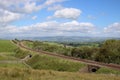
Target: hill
{"x":69,"y":38}
{"x":28,"y":74}
{"x":46,"y":67}
{"x":6,"y":46}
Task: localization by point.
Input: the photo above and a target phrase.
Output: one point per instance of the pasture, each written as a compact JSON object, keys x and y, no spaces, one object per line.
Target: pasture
{"x":6,"y":46}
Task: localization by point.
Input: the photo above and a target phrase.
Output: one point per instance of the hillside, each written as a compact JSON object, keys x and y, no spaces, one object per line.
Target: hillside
{"x":70,"y":38}
{"x":45,"y":67}
{"x":28,"y":74}
{"x":7,"y":58}
{"x":6,"y":46}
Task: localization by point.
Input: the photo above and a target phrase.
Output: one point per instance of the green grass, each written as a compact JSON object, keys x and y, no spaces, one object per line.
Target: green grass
{"x":49,"y":46}
{"x":12,"y":65}
{"x":29,"y":44}
{"x":6,"y":46}
{"x":28,"y":74}
{"x":7,"y":57}
{"x":19,"y":53}
{"x":53,"y":63}
{"x":108,"y":71}
{"x":43,"y":62}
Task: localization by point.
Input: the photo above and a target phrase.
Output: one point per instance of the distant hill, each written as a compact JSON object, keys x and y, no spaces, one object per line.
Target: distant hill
{"x":67,"y":38}
{"x":71,"y":39}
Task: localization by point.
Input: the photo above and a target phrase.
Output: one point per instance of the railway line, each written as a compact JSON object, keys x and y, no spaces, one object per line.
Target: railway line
{"x":88,"y":62}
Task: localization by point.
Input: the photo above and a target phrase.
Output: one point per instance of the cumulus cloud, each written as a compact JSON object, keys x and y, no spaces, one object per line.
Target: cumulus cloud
{"x":69,"y":13}
{"x":53,"y":28}
{"x":7,"y":17}
{"x":74,"y":26}
{"x":12,"y":10}
{"x":15,"y":5}
{"x":25,"y":6}
{"x":113,"y":28}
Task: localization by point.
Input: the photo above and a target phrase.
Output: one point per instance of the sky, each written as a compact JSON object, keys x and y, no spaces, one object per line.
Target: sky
{"x":40,"y":18}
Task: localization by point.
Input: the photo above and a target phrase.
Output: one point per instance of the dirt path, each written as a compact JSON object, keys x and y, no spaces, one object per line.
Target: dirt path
{"x":89,"y":62}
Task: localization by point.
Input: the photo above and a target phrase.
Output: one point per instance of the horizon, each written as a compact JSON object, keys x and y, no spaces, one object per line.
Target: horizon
{"x":51,"y":18}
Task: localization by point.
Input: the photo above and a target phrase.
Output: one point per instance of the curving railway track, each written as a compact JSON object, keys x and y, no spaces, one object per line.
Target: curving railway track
{"x":88,"y":62}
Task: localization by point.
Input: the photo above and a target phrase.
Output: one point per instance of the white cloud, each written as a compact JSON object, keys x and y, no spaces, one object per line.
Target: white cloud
{"x":55,"y":7}
{"x":49,"y":28}
{"x":13,"y":5}
{"x":26,"y":6}
{"x":34,"y":17}
{"x":7,"y":17}
{"x":75,"y":26}
{"x":49,"y":2}
{"x":113,"y":28}
{"x":30,"y":7}
{"x":12,"y":10}
{"x":49,"y":17}
{"x":69,"y":13}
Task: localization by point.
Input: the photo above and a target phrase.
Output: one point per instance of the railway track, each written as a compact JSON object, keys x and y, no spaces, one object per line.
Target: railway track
{"x":88,"y":62}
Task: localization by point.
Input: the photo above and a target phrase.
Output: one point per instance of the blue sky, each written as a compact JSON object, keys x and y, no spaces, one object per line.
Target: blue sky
{"x":31,"y":18}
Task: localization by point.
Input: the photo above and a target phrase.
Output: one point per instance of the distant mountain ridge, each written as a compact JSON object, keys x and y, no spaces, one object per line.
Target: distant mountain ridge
{"x":71,"y":39}
{"x":66,"y":38}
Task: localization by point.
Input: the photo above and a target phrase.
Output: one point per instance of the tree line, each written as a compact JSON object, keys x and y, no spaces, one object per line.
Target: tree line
{"x":108,"y":51}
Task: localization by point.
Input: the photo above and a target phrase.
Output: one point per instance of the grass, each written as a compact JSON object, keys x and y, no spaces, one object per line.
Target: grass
{"x":50,"y":47}
{"x":28,"y":74}
{"x":4,"y":56}
{"x":19,"y":53}
{"x":29,"y":44}
{"x":6,"y":46}
{"x":44,"y":62}
{"x":54,"y":63}
{"x":12,"y":65}
{"x":108,"y":71}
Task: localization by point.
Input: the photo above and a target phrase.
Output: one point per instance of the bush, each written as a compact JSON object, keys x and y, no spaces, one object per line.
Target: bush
{"x":84,"y":52}
{"x":109,"y":52}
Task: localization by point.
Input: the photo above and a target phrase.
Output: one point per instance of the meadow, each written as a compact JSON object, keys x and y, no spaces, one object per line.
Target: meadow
{"x":29,"y":74}
{"x":6,"y":46}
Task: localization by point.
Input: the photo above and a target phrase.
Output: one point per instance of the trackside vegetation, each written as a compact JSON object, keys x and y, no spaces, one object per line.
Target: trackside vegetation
{"x":44,"y":67}
{"x":53,"y":63}
{"x":108,"y":51}
{"x":29,"y":74}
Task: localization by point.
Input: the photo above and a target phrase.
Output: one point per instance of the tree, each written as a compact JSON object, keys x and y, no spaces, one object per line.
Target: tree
{"x":84,"y":52}
{"x":109,"y":52}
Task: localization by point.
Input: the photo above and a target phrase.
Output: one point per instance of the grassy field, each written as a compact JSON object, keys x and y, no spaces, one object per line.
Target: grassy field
{"x":12,"y":65}
{"x":108,"y":71}
{"x":8,"y":56}
{"x":28,"y":74}
{"x":6,"y":46}
{"x":46,"y":67}
{"x":44,"y":62}
{"x":54,"y":63}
